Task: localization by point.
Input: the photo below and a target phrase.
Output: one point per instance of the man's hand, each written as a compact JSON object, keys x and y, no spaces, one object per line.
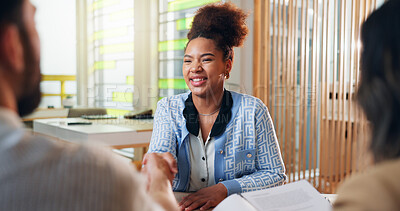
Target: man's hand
{"x":204,"y":198}
{"x":155,"y":164}
{"x":160,"y":169}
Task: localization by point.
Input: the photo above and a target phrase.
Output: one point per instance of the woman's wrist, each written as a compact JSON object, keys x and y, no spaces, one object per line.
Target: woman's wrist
{"x":222,"y":189}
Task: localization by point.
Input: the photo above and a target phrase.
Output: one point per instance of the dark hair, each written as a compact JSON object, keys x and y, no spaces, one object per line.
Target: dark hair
{"x":11,"y":12}
{"x":224,"y":23}
{"x":379,"y":90}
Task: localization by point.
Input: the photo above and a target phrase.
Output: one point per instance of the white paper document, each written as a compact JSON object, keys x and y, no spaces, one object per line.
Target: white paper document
{"x":293,"y":196}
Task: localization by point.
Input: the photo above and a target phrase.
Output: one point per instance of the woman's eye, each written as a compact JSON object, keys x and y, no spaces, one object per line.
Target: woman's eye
{"x":187,"y":61}
{"x":207,"y":60}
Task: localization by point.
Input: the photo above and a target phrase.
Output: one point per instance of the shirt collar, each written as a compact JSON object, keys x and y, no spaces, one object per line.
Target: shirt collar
{"x":224,"y":116}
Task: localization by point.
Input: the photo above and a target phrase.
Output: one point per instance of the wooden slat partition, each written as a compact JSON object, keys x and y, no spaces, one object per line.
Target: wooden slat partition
{"x":306,"y":70}
{"x":257,"y":39}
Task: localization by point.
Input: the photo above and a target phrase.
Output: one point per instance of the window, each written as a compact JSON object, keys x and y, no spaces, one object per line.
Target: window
{"x":175,"y":19}
{"x":57,"y":33}
{"x":130,"y":63}
{"x":110,"y":56}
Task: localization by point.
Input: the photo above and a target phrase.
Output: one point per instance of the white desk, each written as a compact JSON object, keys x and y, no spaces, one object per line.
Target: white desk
{"x":117,"y":134}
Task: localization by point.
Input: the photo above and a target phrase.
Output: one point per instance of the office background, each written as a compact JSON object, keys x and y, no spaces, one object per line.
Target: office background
{"x":301,"y":58}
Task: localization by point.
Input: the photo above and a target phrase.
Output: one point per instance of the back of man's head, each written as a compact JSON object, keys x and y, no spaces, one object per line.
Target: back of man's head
{"x":379,"y":91}
{"x":19,"y":57}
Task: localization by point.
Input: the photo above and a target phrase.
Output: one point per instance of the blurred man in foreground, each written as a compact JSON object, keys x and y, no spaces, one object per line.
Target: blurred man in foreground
{"x":38,"y":174}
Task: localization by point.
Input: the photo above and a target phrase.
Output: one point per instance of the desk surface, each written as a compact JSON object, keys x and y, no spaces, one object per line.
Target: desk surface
{"x":117,"y":132}
{"x":134,"y":124}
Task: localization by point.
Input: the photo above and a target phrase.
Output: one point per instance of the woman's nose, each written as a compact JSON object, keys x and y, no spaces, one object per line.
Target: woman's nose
{"x":196,"y":67}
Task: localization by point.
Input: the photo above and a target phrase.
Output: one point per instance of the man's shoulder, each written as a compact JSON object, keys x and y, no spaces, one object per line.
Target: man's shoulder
{"x":94,"y":164}
{"x":73,"y":171}
{"x":99,"y":158}
{"x":75,"y":157}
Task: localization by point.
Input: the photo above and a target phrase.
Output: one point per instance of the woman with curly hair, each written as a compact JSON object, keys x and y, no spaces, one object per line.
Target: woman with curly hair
{"x":224,"y":142}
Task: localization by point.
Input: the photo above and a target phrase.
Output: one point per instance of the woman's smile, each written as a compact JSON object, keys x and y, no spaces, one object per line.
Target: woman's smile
{"x":198,"y":81}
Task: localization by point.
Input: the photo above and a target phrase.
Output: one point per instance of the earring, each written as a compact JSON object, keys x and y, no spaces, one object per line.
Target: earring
{"x":226,"y":75}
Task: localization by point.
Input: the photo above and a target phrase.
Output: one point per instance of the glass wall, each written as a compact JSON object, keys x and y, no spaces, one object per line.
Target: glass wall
{"x":175,"y":18}
{"x":110,"y":30}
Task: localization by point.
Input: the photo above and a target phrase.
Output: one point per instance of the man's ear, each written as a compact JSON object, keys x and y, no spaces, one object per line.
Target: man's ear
{"x":11,"y":50}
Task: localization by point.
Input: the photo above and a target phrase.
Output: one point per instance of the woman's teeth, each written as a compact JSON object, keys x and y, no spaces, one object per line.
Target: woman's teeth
{"x":198,"y":79}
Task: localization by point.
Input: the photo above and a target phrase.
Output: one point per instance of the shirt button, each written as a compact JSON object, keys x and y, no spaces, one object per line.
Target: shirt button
{"x":221,"y":151}
{"x":249,"y":155}
{"x":220,"y":179}
{"x":203,"y":180}
{"x":203,"y":158}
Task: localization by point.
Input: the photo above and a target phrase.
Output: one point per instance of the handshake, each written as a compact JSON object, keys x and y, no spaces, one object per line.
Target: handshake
{"x":159,"y":169}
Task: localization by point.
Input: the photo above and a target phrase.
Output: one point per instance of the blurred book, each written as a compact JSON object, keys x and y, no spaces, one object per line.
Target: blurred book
{"x":299,"y":195}
{"x":140,"y":114}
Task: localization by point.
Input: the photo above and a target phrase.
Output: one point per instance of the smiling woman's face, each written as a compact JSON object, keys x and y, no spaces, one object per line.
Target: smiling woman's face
{"x":204,"y":68}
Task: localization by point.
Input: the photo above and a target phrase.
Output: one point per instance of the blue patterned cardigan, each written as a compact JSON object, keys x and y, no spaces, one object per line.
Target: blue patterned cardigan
{"x":247,"y":155}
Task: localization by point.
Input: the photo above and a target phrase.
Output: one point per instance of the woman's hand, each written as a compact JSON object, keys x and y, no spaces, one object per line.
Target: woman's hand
{"x":204,"y":198}
{"x":159,"y":169}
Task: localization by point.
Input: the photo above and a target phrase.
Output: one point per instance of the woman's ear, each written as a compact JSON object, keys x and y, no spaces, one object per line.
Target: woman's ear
{"x":229,"y":62}
{"x":228,"y":68}
{"x":11,"y":51}
{"x":228,"y":65}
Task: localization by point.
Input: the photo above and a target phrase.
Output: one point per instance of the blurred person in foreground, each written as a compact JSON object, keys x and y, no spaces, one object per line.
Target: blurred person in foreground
{"x":224,"y":141}
{"x":378,"y":188}
{"x":38,"y":174}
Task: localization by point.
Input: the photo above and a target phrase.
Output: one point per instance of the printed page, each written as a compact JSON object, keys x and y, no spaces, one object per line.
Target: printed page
{"x":293,"y":196}
{"x":234,"y":202}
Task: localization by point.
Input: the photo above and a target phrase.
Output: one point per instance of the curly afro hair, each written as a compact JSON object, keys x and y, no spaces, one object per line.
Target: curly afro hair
{"x":224,"y":23}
